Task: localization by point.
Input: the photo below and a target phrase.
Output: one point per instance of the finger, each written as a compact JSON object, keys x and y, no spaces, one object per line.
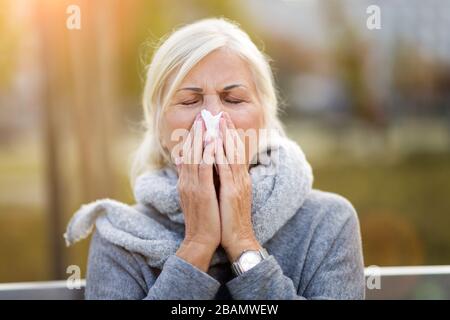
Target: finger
{"x":228,"y":120}
{"x":188,"y":142}
{"x":192,"y":137}
{"x":224,"y":169}
{"x":230,"y":149}
{"x":186,"y":150}
{"x":182,"y":170}
{"x":227,"y":141}
{"x":188,"y":168}
{"x":236,"y":137}
{"x":194,"y":159}
{"x":239,"y":145}
{"x":199,"y":132}
{"x":205,"y":170}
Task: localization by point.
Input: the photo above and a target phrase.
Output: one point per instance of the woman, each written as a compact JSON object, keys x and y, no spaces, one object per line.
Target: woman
{"x":227,"y":214}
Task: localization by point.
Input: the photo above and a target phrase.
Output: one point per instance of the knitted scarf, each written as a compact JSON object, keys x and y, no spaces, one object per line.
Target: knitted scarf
{"x":280,"y":184}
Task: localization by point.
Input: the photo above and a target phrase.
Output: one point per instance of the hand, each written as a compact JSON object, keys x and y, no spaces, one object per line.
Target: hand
{"x":235,"y":198}
{"x":198,"y":199}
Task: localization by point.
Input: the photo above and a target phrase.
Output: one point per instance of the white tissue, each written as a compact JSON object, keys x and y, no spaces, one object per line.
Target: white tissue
{"x":212,"y":124}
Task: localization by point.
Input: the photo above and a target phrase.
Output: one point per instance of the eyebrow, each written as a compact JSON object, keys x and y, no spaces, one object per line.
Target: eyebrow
{"x":226,"y":88}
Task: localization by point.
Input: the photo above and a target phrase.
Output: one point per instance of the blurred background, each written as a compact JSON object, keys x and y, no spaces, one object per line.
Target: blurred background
{"x":370,"y":108}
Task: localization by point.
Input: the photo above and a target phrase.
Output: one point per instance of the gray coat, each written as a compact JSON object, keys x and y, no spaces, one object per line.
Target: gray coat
{"x":317,"y":254}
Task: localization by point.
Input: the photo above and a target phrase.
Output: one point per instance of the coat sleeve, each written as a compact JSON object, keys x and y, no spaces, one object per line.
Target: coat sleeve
{"x":338,"y":273}
{"x":115,"y":273}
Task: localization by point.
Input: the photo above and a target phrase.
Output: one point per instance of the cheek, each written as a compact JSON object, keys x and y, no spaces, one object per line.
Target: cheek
{"x":175,"y":123}
{"x":247,"y":118}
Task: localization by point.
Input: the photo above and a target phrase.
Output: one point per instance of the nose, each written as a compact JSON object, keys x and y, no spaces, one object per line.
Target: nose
{"x":213,"y":103}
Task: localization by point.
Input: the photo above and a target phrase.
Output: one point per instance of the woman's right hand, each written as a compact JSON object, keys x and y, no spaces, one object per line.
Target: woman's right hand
{"x":198,"y":199}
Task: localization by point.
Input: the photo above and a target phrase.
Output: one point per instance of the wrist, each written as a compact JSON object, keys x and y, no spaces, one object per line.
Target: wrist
{"x":197,"y":254}
{"x":235,"y":249}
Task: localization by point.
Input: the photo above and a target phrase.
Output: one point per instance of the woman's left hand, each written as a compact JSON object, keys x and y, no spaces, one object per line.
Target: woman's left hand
{"x":235,"y":198}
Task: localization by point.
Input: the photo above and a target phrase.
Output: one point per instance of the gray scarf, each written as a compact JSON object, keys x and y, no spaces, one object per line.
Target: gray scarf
{"x":280,"y":185}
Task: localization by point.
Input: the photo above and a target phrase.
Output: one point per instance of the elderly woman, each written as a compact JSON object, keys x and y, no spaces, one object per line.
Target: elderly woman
{"x":224,"y":202}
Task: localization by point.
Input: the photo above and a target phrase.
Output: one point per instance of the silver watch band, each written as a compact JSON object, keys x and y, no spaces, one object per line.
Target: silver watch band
{"x":237,"y":267}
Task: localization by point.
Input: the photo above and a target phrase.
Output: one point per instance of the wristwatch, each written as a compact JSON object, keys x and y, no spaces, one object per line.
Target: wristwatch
{"x":248,"y":259}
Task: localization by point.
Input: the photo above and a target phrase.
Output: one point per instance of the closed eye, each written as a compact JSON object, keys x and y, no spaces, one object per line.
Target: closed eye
{"x":234,"y":101}
{"x":191,"y":102}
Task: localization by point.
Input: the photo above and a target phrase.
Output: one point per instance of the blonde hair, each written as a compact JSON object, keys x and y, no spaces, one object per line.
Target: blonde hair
{"x":175,"y":57}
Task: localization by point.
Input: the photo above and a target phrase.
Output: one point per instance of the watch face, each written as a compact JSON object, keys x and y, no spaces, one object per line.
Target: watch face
{"x":249,"y":259}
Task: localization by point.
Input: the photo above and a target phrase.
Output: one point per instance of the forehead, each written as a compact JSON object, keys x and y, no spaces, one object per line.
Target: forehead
{"x":218,"y":69}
